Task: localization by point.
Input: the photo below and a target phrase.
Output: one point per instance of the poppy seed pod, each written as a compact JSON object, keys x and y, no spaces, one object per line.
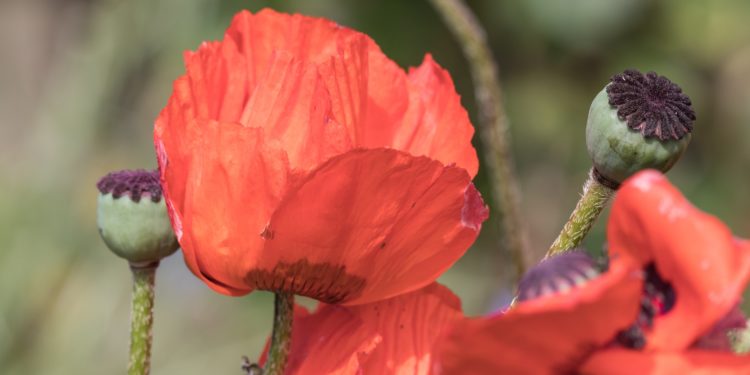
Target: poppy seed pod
{"x":132,"y":217}
{"x":557,"y":274}
{"x":637,"y":121}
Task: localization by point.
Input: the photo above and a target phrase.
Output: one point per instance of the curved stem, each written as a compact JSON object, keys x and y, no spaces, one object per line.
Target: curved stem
{"x":281,"y":339}
{"x":594,"y":199}
{"x":493,"y":130}
{"x":141,"y":318}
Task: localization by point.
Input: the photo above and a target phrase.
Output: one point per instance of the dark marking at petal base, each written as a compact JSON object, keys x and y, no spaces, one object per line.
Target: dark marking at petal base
{"x":651,"y":104}
{"x":132,"y":183}
{"x":325,"y":282}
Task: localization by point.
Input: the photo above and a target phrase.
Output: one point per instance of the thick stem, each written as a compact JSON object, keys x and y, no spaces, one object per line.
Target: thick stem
{"x":141,"y":318}
{"x":493,"y":129}
{"x":281,"y":339}
{"x":594,"y":199}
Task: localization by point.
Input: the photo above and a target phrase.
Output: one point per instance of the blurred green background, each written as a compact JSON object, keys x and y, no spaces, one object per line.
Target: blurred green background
{"x":81,"y":82}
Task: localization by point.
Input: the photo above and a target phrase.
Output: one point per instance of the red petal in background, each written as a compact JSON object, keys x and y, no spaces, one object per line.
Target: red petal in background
{"x":394,"y":336}
{"x":548,"y":335}
{"x":693,"y":362}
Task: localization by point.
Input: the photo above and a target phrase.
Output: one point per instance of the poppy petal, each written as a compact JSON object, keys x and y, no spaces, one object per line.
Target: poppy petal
{"x":264,"y":74}
{"x":361,"y":93}
{"x":558,"y":331}
{"x":368,"y":91}
{"x":172,"y":140}
{"x":393,"y":336}
{"x":695,"y":362}
{"x":409,"y":325}
{"x":214,"y":75}
{"x":217,"y":232}
{"x":436,"y":125}
{"x":174,"y":137}
{"x":387,"y":100}
{"x":331,"y":341}
{"x":261,"y":35}
{"x":707,"y":266}
{"x":292,"y":105}
{"x":369,"y":225}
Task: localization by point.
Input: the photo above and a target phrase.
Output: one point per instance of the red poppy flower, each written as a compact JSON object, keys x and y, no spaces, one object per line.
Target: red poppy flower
{"x":394,"y":336}
{"x":702,"y":262}
{"x":295,"y":156}
{"x":672,"y":319}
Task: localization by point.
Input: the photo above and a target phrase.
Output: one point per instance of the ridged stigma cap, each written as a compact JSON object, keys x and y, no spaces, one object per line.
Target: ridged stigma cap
{"x":132,"y":216}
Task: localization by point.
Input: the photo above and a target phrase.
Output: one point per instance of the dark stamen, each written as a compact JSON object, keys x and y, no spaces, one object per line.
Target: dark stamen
{"x":651,"y":104}
{"x":133,"y":183}
{"x":632,"y":337}
{"x":658,"y":298}
{"x":660,"y":292}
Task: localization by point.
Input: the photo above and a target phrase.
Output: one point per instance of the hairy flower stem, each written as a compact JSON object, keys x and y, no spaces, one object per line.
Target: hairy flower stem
{"x":594,"y":199}
{"x":281,"y":339}
{"x":493,"y":129}
{"x":141,"y":317}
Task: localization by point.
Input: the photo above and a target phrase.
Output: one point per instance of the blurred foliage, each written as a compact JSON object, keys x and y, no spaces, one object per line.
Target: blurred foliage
{"x":83,"y":80}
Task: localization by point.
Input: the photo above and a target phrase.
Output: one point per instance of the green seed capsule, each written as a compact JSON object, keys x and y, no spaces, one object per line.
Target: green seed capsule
{"x":134,"y":228}
{"x":637,"y":122}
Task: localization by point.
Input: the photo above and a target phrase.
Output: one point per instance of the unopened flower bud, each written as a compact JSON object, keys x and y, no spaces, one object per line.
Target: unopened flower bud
{"x":132,"y":216}
{"x":637,"y":121}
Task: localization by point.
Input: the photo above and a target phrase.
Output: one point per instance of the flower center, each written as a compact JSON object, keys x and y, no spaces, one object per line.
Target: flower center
{"x":132,"y":183}
{"x":657,"y":299}
{"x":651,"y":104}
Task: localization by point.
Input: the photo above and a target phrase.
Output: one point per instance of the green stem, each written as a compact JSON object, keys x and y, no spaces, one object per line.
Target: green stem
{"x":594,"y":199}
{"x":493,"y":129}
{"x":141,"y":318}
{"x":281,"y":339}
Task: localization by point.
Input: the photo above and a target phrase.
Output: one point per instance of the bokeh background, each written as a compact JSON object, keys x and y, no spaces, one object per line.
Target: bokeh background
{"x":81,"y":82}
